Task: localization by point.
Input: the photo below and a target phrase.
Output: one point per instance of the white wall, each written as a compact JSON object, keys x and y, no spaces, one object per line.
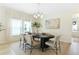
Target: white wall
{"x":3,"y":22}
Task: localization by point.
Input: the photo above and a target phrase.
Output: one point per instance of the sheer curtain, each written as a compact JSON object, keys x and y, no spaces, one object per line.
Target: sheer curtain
{"x":15,"y":26}
{"x":20,"y":26}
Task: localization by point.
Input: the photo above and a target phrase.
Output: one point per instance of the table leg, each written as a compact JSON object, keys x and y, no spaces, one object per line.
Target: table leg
{"x":42,"y":44}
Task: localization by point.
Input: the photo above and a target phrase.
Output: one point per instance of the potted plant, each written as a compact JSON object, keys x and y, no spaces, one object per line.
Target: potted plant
{"x":36,"y":26}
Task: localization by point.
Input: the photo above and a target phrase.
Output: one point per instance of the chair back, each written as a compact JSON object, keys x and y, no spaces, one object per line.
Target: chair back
{"x":28,"y":38}
{"x":56,"y":39}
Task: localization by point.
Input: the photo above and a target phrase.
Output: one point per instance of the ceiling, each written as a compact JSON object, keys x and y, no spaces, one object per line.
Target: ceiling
{"x":47,"y":8}
{"x":32,"y":7}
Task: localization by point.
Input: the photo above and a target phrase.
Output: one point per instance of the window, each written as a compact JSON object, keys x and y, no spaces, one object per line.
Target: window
{"x":15,"y":26}
{"x":19,"y":26}
{"x":27,"y":26}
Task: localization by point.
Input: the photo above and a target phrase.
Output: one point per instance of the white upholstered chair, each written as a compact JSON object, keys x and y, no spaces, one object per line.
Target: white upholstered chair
{"x":54,"y":43}
{"x":26,"y":42}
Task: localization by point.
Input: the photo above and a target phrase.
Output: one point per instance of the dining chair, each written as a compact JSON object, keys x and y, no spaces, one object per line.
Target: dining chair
{"x":30,"y":43}
{"x":27,"y":42}
{"x":54,"y":43}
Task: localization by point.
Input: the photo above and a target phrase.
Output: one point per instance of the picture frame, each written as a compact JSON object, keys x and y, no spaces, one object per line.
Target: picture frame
{"x":53,"y":23}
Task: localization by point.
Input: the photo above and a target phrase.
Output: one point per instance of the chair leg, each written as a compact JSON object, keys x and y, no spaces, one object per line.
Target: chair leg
{"x":24,"y":47}
{"x":31,"y":51}
{"x":31,"y":46}
{"x":59,"y":46}
{"x":20,"y":43}
{"x":56,"y":49}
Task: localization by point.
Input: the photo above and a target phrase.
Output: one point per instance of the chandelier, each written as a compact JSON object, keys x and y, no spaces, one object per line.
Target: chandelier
{"x":38,"y":14}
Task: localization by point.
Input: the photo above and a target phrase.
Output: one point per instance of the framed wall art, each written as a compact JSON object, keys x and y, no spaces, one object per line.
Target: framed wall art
{"x":53,"y":23}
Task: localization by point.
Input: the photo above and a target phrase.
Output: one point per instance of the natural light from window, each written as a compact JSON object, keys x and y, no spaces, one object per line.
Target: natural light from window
{"x":19,"y":26}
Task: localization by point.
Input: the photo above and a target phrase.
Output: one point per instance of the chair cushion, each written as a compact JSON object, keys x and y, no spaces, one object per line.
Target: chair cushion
{"x":50,"y":43}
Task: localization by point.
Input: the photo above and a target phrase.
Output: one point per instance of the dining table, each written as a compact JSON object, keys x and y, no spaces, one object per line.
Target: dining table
{"x":44,"y":37}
